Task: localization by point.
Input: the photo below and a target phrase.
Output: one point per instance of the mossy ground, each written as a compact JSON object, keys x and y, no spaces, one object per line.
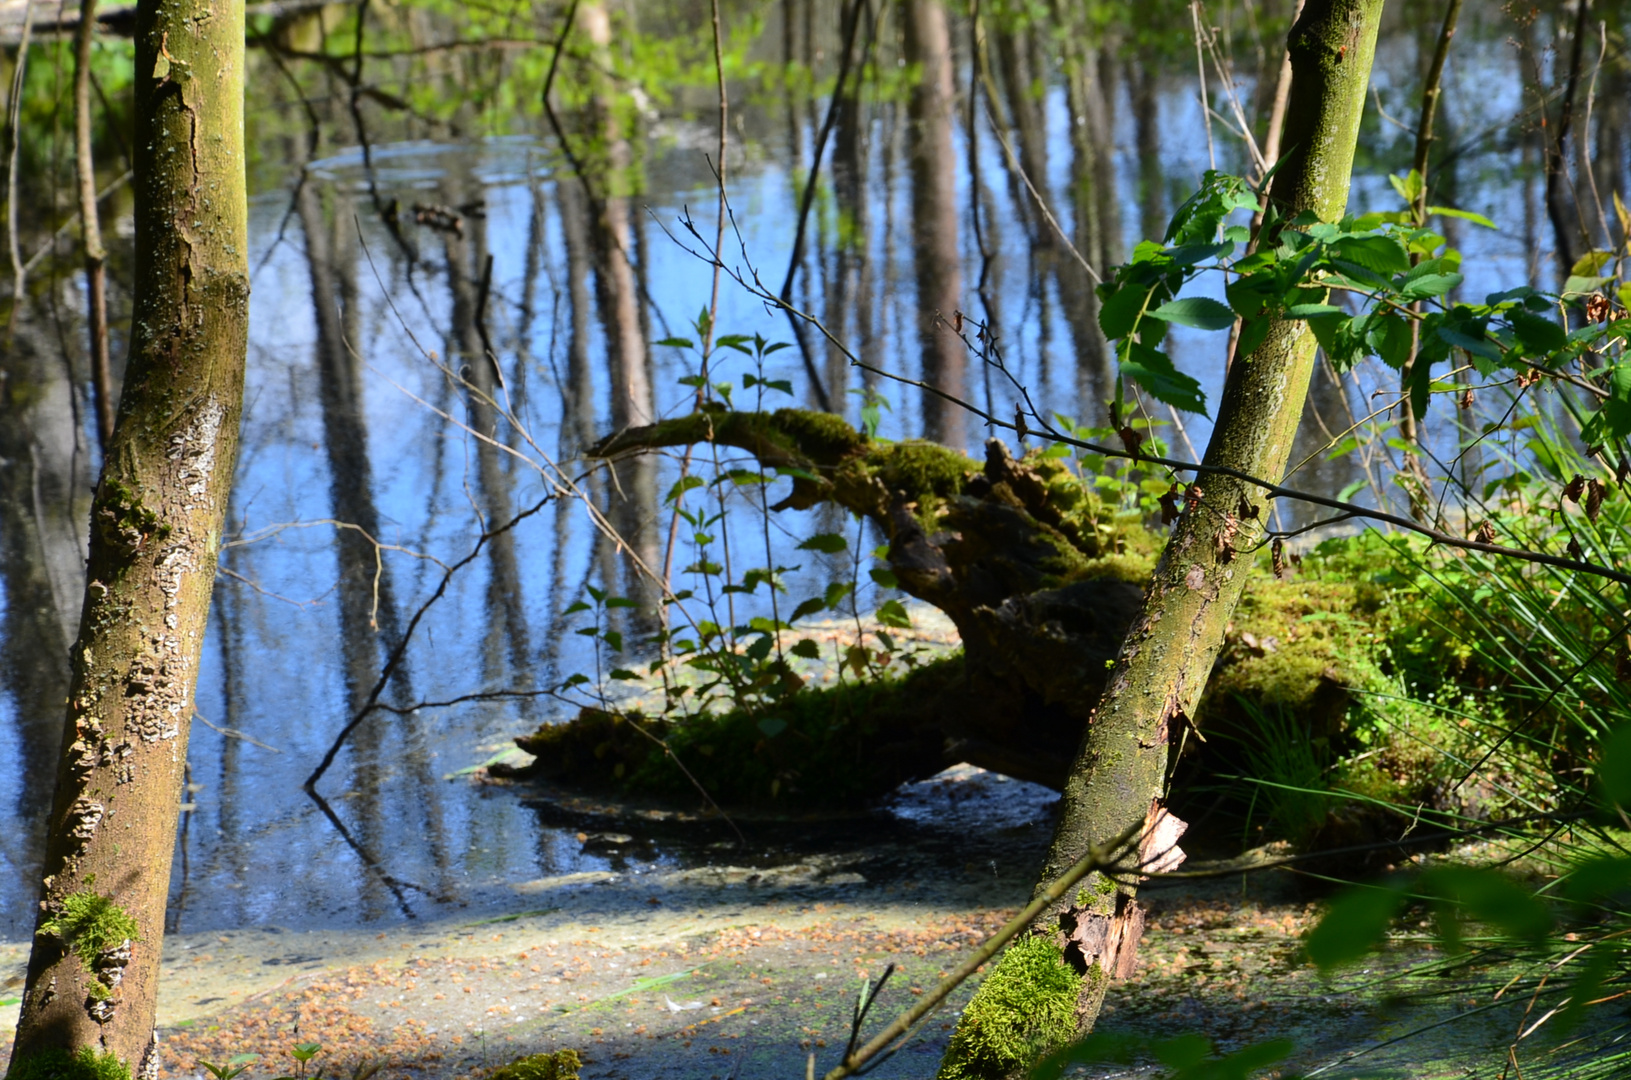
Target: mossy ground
{"x":816,"y":749}
{"x":561,"y":1065}
{"x":58,"y":1064}
{"x":1025,"y":1006}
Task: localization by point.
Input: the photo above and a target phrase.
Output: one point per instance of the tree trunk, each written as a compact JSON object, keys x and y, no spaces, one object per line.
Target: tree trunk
{"x":1040,"y":998}
{"x":156,"y":530}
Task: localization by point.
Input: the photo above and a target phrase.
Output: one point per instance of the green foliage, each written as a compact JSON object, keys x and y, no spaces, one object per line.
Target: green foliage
{"x":89,"y":922}
{"x":1025,"y":1005}
{"x":59,"y":1064}
{"x":1394,"y":273}
{"x":561,"y":1065}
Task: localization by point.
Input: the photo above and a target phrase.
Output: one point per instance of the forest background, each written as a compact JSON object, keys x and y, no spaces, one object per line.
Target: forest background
{"x":1342,"y":709}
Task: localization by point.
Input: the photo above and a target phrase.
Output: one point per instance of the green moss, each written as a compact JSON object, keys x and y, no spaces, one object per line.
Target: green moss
{"x":561,"y":1065}
{"x":823,"y":437}
{"x":821,"y":754}
{"x":59,"y":1064}
{"x":89,"y":923}
{"x":1023,"y":1009}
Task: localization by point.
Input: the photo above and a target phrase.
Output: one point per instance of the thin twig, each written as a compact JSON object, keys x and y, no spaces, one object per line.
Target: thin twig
{"x":1097,"y":858}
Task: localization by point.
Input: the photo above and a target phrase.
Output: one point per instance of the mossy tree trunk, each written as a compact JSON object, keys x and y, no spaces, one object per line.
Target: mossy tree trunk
{"x":1118,"y":778}
{"x":156,"y":530}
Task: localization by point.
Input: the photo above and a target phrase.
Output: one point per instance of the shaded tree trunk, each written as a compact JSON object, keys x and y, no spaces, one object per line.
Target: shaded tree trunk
{"x":156,"y":531}
{"x":1119,"y":776}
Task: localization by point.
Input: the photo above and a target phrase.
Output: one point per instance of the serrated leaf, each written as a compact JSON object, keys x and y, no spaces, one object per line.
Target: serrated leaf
{"x":1380,"y":254}
{"x":1118,"y":315}
{"x":1430,"y":285}
{"x":1537,"y":335}
{"x":1390,"y":337}
{"x":807,"y":649}
{"x":1203,"y":313}
{"x":1153,"y":370}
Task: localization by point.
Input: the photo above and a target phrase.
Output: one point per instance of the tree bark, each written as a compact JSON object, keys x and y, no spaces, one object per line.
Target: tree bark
{"x":1119,"y":776}
{"x":156,"y":529}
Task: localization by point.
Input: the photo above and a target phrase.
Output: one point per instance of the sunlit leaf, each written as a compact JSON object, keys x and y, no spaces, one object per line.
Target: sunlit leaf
{"x":1153,"y":370}
{"x":893,"y":613}
{"x":1203,"y":313}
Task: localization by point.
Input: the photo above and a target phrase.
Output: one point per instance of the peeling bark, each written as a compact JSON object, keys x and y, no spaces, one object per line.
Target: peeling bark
{"x":155,"y":535}
{"x":1120,"y":771}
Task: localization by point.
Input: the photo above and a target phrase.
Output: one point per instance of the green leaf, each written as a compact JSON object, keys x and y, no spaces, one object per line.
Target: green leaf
{"x":1614,"y":767}
{"x":1390,"y":337}
{"x":807,"y":649}
{"x":1118,"y":315}
{"x":1382,"y":254}
{"x":1578,"y":285}
{"x":835,"y":594}
{"x":826,"y":543}
{"x":1537,"y":335}
{"x":677,"y":342}
{"x":621,"y":602}
{"x":1252,"y":334}
{"x":772,"y":726}
{"x":622,"y":674}
{"x":1464,"y":215}
{"x":1153,"y":370}
{"x":1203,"y":313}
{"x":1355,"y":923}
{"x":576,"y":606}
{"x":1590,"y":264}
{"x":1409,"y":186}
{"x":613,"y":638}
{"x":808,"y":607}
{"x":1430,"y":285}
{"x":884,"y":579}
{"x":893,"y":613}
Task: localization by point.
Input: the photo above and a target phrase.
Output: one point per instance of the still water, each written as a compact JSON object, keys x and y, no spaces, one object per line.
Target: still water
{"x":374,"y":455}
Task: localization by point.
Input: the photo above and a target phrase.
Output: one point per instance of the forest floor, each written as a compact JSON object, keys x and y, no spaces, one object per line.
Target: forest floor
{"x":746,"y":972}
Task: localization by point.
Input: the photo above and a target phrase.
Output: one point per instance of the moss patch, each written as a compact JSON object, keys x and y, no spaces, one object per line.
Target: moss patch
{"x":561,"y":1065}
{"x":89,"y":923}
{"x":1023,"y":1009}
{"x":815,"y":749}
{"x":59,"y":1064}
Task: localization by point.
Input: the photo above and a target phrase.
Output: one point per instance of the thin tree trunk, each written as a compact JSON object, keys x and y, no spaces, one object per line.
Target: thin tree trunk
{"x":1119,"y":775}
{"x":1432,"y":89}
{"x":95,"y":255}
{"x":156,"y":531}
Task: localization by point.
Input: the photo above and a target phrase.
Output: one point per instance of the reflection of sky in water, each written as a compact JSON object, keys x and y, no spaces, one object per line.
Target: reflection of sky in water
{"x":256,"y":849}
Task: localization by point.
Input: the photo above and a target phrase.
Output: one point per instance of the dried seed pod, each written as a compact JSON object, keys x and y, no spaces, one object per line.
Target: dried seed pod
{"x":1594,"y":497}
{"x":1169,"y":503}
{"x":1278,"y":551}
{"x":1575,"y":488}
{"x":1486,"y":533}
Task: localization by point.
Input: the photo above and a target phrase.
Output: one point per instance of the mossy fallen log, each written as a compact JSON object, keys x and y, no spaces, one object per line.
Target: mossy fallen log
{"x":1041,"y":580}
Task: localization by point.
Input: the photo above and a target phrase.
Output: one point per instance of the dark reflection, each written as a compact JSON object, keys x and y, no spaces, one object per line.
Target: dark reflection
{"x":936,"y":257}
{"x":1090,"y":82}
{"x":611,"y":175}
{"x":44,"y":497}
